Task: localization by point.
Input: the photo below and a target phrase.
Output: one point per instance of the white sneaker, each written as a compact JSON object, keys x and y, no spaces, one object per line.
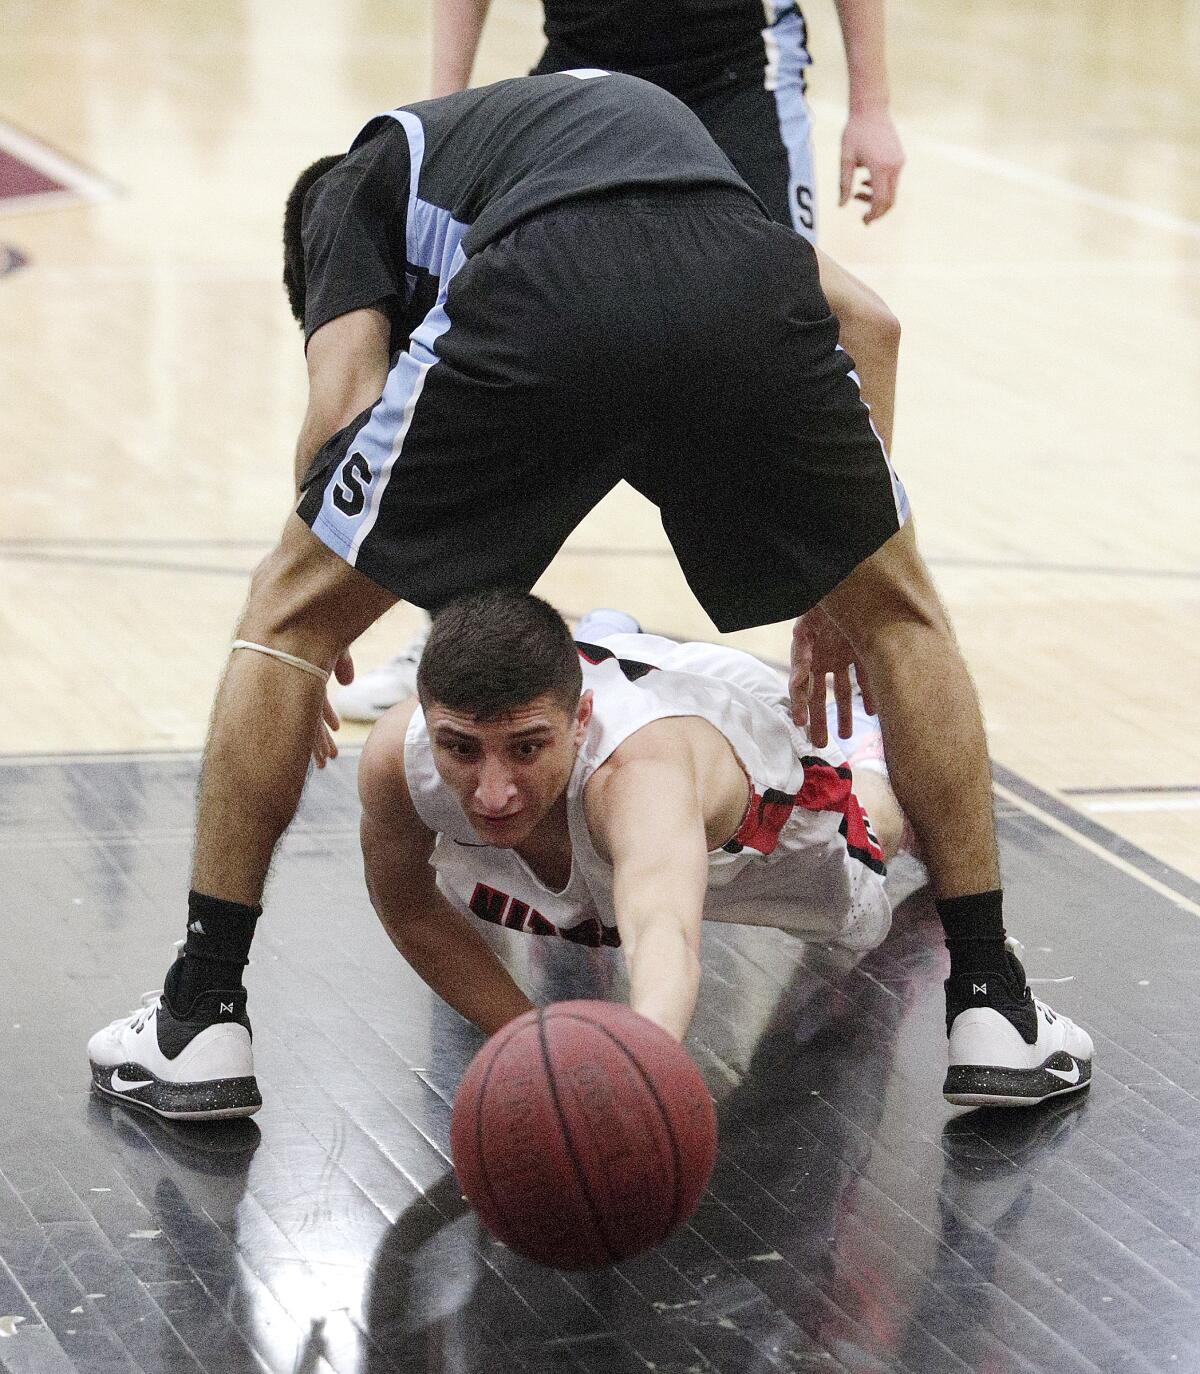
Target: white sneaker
{"x":197,"y":1069}
{"x":601,"y":623}
{"x":1007,"y":1048}
{"x":376,"y":691}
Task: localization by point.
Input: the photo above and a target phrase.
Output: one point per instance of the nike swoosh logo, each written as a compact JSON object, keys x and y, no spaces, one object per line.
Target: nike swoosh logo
{"x":119,"y":1084}
{"x":1072,"y":1077}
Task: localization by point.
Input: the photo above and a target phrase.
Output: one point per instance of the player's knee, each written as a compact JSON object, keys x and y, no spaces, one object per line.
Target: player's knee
{"x":290,"y":606}
{"x":889,"y":592}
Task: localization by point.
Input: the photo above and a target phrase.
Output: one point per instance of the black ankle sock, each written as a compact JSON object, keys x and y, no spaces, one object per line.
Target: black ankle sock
{"x":216,"y":950}
{"x":974,"y":929}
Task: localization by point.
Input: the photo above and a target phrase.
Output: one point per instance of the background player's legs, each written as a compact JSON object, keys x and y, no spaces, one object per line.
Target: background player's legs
{"x":932,"y":728}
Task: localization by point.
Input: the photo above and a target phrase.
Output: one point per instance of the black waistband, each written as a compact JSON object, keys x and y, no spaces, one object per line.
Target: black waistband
{"x":669,"y":199}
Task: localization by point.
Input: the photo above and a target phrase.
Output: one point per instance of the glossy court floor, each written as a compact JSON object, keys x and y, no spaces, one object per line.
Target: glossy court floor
{"x":1044,"y":258}
{"x":855,"y":1222}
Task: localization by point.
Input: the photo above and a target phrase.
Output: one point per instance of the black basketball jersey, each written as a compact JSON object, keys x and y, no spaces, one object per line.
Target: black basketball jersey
{"x":427,"y":185}
{"x":685,"y":46}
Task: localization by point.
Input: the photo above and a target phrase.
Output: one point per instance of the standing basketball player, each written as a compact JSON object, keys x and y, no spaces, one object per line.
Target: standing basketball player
{"x":619,"y":792}
{"x":513,"y":298}
{"x":740,"y":65}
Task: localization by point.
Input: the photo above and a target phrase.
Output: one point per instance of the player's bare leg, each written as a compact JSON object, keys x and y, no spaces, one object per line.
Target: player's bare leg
{"x":933,"y":731}
{"x":308,"y":603}
{"x":187,"y":1054}
{"x":1005,"y":1046}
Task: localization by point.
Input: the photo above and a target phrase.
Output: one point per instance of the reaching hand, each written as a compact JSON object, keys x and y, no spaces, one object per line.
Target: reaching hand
{"x":325,"y":746}
{"x":818,"y":648}
{"x":870,"y":140}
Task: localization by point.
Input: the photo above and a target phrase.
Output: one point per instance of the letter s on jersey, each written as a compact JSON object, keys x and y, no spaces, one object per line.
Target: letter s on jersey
{"x":349,"y":492}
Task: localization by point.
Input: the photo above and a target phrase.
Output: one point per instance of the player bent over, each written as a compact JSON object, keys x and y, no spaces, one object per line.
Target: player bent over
{"x":514,"y":298}
{"x":619,"y":793}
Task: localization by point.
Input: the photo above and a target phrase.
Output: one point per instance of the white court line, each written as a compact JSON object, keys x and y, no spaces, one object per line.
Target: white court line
{"x":1085,"y":842}
{"x":52,"y":164}
{"x":1146,"y":804}
{"x":1063,"y":188}
{"x":1020,"y":175}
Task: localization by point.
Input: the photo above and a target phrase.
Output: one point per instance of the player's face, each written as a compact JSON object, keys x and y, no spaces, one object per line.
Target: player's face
{"x":508,"y":772}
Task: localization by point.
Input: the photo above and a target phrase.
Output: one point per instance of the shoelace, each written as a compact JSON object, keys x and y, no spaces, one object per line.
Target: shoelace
{"x":1017,"y":949}
{"x":149,"y":1004}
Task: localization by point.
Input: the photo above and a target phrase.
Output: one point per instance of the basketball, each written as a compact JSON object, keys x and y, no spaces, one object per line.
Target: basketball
{"x":583,"y":1134}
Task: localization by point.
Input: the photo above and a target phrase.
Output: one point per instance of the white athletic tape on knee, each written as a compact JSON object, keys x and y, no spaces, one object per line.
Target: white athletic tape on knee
{"x":301,"y":663}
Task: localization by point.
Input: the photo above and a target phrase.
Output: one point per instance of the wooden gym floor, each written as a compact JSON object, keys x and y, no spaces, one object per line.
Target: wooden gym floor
{"x":1044,"y":258}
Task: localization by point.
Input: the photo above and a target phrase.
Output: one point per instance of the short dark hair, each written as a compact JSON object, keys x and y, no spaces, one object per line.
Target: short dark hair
{"x":493,"y":651}
{"x":293,"y":223}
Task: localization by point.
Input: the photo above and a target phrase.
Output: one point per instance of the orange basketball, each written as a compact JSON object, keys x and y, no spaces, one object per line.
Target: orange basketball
{"x":583,"y":1134}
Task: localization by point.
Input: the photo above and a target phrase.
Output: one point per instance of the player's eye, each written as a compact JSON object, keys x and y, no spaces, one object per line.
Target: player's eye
{"x":530,"y":748}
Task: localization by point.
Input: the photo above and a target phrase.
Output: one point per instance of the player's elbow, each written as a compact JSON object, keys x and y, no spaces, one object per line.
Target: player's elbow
{"x":886,"y":326}
{"x":661,"y":943}
{"x":873,"y":325}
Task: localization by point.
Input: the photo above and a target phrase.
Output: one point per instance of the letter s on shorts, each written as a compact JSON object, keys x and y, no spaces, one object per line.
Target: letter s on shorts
{"x":349,"y":492}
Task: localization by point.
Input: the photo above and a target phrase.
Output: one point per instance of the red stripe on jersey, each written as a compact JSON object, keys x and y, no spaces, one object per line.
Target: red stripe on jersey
{"x":826,"y":788}
{"x":765,"y":817}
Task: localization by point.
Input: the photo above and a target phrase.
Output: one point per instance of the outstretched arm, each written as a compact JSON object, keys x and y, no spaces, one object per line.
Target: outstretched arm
{"x":457,"y":25}
{"x":645,"y":817}
{"x":439,"y":942}
{"x":869,"y":139}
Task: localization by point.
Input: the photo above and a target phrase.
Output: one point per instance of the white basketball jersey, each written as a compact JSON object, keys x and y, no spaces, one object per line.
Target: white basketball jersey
{"x":804,"y":858}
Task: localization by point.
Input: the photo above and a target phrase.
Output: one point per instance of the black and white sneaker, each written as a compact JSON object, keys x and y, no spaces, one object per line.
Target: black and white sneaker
{"x":1008,"y":1049}
{"x":194,"y":1068}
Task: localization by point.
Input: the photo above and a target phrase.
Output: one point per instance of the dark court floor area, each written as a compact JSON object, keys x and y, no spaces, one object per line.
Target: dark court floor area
{"x":855,"y":1222}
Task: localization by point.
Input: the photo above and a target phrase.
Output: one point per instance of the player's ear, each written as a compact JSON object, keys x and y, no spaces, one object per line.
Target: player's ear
{"x":583,"y":715}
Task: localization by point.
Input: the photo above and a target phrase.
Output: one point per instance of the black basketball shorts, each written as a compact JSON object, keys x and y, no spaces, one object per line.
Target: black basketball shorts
{"x":677,"y":339}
